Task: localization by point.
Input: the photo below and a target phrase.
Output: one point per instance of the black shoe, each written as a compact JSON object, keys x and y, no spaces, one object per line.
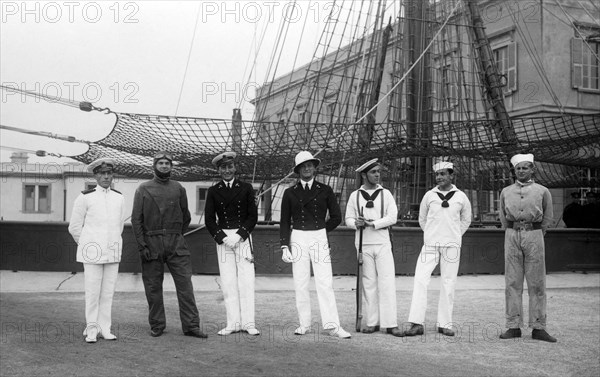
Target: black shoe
{"x":445,"y":331}
{"x":541,"y":334}
{"x":156,"y":332}
{"x":511,"y":333}
{"x":395,"y":331}
{"x":197,"y":333}
{"x":415,"y":329}
{"x":370,"y":329}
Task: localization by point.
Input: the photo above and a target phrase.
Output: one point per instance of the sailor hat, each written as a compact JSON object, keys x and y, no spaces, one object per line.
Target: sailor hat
{"x":101,"y":163}
{"x":518,"y":158}
{"x":303,"y":157}
{"x":223,"y":157}
{"x":364,"y":168}
{"x":443,"y":165}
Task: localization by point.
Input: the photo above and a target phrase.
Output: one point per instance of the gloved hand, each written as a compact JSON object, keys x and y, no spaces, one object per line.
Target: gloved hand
{"x":286,"y":255}
{"x":145,"y":254}
{"x":226,"y":242}
{"x":234,"y":239}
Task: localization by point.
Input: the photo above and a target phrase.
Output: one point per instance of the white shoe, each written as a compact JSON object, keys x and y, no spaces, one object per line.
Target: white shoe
{"x":90,"y":340}
{"x":301,"y":330}
{"x":228,"y":331}
{"x":108,"y":336}
{"x":340,"y":333}
{"x":252,"y":331}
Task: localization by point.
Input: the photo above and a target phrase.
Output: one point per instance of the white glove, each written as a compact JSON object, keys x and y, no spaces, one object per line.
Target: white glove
{"x":286,"y":255}
{"x":226,"y":242}
{"x":234,"y":239}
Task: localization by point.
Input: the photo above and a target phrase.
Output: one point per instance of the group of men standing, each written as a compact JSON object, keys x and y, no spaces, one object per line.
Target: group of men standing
{"x":309,"y":210}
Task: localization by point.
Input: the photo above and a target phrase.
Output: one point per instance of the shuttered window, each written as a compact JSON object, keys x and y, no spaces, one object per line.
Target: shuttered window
{"x":585,"y":68}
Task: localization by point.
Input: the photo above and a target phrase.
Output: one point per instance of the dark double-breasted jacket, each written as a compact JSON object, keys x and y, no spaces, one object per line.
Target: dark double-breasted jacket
{"x":230,"y":208}
{"x":307,"y":210}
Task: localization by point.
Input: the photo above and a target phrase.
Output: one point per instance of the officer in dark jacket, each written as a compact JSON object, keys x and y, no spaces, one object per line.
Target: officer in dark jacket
{"x":159,"y":218}
{"x":231,"y":215}
{"x":305,"y":206}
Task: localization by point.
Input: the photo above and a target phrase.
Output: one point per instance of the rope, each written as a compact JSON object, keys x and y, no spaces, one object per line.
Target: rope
{"x":187,"y":63}
{"x":382,"y":99}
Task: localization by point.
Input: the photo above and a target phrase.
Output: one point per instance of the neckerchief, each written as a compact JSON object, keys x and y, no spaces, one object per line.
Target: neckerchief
{"x":370,"y":198}
{"x":446,"y":198}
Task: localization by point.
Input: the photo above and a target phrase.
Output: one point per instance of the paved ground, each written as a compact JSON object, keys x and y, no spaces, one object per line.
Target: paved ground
{"x":37,"y":281}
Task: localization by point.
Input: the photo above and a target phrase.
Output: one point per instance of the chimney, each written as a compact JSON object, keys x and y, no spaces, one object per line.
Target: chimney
{"x":236,"y":132}
{"x":19,"y":157}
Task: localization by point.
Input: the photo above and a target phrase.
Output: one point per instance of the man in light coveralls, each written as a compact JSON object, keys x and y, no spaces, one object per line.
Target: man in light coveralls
{"x":444,"y":216}
{"x":525,"y":213}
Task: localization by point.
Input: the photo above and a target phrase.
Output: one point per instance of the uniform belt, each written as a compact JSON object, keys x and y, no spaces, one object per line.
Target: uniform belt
{"x":163,"y":232}
{"x":524,"y":225}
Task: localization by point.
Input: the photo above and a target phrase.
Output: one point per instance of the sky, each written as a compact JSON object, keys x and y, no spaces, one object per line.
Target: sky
{"x":186,"y":58}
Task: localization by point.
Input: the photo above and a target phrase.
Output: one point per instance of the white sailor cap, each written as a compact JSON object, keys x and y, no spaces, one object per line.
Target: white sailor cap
{"x":101,"y":163}
{"x":518,"y":158}
{"x":364,"y":168}
{"x":443,"y":165}
{"x":223,"y":157}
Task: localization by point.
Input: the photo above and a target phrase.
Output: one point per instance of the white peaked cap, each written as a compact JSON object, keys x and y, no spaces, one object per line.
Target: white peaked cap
{"x":443,"y":165}
{"x":518,"y":158}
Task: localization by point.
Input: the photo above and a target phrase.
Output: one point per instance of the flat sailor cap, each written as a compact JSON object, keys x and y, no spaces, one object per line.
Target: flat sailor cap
{"x":364,"y":168}
{"x":443,"y":165}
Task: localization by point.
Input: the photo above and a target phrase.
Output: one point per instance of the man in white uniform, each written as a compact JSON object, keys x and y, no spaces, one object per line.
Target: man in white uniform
{"x":444,"y":216}
{"x":373,"y":208}
{"x":96,"y":225}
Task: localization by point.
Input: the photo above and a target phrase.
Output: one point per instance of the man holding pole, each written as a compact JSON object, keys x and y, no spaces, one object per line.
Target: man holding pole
{"x":372,"y":210}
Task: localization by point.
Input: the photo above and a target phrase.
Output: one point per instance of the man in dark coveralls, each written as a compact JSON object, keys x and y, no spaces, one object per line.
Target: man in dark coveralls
{"x":159,"y":218}
{"x":231,"y":215}
{"x":304,"y":208}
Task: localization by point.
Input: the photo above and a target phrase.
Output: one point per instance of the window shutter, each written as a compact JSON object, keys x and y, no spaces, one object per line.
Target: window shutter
{"x":576,"y":48}
{"x":511,"y":71}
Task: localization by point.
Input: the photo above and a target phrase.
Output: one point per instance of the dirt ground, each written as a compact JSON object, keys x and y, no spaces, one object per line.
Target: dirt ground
{"x":41,"y":336}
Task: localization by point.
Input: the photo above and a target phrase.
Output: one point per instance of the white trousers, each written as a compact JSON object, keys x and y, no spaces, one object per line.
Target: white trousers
{"x":449,"y":260}
{"x":237,"y":283}
{"x":100,"y":281}
{"x":379,"y":285}
{"x":311,"y":246}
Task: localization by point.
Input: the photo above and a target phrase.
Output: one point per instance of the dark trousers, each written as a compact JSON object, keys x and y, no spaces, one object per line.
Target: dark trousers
{"x":180,"y":267}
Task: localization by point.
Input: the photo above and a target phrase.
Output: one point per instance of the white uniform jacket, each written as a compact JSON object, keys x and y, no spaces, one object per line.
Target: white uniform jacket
{"x":444,"y":226}
{"x":379,"y":234}
{"x":96,"y":225}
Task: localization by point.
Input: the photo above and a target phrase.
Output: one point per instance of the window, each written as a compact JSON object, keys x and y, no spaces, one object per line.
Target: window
{"x":444,"y":88}
{"x":506,"y":61}
{"x":36,"y":198}
{"x":585,"y":69}
{"x":201,"y":193}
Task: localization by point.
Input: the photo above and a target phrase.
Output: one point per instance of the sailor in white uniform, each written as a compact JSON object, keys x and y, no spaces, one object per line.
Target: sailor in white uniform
{"x":96,"y":225}
{"x":373,"y":208}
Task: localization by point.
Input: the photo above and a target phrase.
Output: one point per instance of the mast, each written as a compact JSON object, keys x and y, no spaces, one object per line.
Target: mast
{"x":490,"y":78}
{"x":418,"y":91}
